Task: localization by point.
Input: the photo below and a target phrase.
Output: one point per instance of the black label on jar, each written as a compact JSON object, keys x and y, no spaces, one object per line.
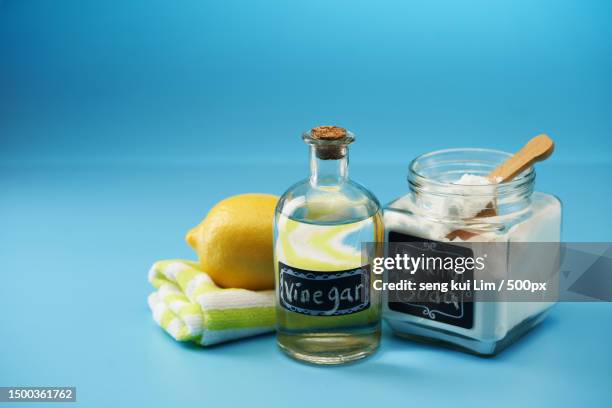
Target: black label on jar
{"x":324,"y":293}
{"x":450,"y":307}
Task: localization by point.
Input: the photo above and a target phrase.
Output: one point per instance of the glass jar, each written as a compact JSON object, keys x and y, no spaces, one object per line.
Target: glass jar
{"x":327,"y":311}
{"x":438,"y":210}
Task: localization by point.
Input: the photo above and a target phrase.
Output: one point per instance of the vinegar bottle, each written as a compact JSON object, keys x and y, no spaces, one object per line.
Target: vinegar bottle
{"x":327,"y":309}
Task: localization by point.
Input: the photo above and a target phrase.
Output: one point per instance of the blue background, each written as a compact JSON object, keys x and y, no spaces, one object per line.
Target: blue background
{"x":122,"y":123}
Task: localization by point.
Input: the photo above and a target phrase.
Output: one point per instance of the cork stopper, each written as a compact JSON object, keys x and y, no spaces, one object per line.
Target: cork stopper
{"x":328,"y":133}
{"x":329,"y":141}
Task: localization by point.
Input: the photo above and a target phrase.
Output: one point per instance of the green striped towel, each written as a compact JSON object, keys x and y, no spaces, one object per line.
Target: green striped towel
{"x":190,"y":307}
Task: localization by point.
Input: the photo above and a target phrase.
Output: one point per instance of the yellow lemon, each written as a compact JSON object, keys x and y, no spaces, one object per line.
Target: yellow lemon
{"x":234,"y":242}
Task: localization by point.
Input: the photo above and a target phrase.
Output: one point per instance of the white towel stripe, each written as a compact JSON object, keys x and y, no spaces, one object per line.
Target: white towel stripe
{"x":174,"y":327}
{"x":173,"y":269}
{"x":195,"y":282}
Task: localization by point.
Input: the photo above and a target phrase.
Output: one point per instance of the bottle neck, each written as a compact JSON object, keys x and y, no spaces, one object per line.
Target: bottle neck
{"x":328,"y":169}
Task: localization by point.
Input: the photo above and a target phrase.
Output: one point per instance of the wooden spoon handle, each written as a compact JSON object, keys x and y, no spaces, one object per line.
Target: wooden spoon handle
{"x":537,"y":149}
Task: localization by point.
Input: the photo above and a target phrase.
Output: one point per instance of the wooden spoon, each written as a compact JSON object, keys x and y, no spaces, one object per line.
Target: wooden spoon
{"x":537,"y":149}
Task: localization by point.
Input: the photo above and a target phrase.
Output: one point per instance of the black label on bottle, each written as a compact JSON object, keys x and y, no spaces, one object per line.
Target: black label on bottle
{"x":446,"y":307}
{"x":324,"y":293}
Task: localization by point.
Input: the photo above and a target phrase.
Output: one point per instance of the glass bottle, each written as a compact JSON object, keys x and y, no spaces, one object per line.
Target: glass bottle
{"x":437,"y":211}
{"x":327,"y":311}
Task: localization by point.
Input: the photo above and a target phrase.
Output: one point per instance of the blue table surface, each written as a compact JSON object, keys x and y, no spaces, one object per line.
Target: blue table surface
{"x":76,"y":246}
{"x":122,"y":123}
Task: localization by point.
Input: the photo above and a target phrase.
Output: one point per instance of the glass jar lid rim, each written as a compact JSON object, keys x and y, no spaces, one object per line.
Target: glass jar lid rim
{"x":416,"y":175}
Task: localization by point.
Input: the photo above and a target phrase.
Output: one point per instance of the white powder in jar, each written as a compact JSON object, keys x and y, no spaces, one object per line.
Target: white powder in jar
{"x":474,"y":198}
{"x":463,"y":199}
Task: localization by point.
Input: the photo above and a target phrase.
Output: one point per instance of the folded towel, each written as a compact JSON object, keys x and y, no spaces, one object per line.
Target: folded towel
{"x":190,"y":307}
